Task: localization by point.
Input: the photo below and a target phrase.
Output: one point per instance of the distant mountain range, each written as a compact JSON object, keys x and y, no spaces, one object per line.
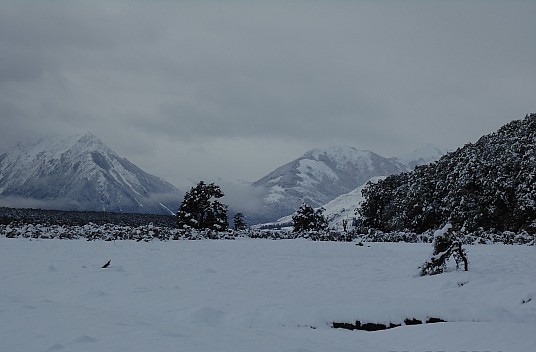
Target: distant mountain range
{"x":321,"y":175}
{"x":81,"y":173}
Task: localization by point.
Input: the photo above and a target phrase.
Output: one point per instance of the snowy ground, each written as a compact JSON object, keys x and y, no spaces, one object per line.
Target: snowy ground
{"x":259,"y":295}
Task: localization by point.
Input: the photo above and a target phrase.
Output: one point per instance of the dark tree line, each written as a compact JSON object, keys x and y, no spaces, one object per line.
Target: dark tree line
{"x":490,"y":185}
{"x":80,"y":218}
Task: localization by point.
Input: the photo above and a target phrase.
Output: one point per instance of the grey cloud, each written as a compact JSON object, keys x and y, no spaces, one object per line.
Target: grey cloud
{"x":156,"y":79}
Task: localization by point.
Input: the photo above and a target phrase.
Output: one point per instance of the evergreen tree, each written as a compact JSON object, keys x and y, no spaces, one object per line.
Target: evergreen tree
{"x":308,"y":219}
{"x":239,"y":223}
{"x":201,"y":209}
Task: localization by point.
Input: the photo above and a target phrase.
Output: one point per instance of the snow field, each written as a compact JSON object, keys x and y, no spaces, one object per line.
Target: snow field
{"x":259,"y":295}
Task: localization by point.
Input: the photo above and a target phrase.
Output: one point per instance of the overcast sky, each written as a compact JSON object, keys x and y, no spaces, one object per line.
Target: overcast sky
{"x":230,"y":90}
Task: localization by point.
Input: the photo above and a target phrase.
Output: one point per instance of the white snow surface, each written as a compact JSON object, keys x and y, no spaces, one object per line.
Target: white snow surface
{"x":259,"y":295}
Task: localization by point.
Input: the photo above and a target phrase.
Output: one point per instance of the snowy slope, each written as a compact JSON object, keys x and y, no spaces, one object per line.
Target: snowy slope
{"x":80,"y":173}
{"x":259,"y":295}
{"x":319,"y":176}
{"x":344,"y":206}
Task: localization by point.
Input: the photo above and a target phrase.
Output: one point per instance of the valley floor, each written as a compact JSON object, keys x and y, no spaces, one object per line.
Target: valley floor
{"x":259,"y":295}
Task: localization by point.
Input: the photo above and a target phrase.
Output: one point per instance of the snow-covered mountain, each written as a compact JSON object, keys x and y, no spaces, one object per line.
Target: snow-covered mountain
{"x":321,"y":175}
{"x":80,"y":172}
{"x":343,"y":208}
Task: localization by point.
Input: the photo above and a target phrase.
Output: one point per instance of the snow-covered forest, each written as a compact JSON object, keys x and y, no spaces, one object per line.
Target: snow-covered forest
{"x":489,"y":185}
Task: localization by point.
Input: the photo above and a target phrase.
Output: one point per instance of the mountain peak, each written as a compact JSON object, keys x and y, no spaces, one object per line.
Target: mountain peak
{"x":87,"y":137}
{"x":79,"y":172}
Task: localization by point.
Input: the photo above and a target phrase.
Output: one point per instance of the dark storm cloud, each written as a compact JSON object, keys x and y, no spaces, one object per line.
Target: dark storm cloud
{"x":162,"y":80}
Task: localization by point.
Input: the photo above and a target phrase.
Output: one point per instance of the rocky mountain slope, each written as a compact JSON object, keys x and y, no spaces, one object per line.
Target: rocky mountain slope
{"x":80,"y":173}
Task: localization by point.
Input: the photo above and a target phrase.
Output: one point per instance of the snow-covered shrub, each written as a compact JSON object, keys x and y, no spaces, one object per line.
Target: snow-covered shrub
{"x":445,"y":245}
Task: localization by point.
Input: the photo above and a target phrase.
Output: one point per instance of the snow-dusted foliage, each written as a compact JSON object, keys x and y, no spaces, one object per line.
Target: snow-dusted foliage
{"x":308,"y":219}
{"x":488,"y":186}
{"x":35,"y":223}
{"x":113,"y":232}
{"x":445,"y":245}
{"x":238,"y":222}
{"x":201,"y":209}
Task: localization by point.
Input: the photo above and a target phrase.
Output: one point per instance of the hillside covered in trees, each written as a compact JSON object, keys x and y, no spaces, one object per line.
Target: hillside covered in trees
{"x":487,"y":185}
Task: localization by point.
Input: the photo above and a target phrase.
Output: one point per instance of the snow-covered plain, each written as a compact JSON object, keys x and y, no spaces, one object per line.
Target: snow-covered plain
{"x":259,"y":295}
